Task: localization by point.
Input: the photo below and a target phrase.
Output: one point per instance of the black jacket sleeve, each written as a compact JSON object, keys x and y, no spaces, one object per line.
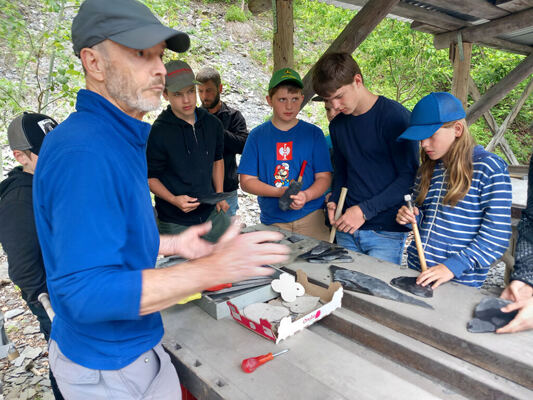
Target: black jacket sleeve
{"x":236,"y":134}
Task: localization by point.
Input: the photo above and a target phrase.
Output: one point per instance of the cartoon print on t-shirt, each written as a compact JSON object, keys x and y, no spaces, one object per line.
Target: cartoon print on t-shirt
{"x":284,"y":151}
{"x":281,"y":175}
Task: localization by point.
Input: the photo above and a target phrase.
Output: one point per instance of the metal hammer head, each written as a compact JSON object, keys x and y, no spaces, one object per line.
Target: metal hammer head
{"x":407,"y":197}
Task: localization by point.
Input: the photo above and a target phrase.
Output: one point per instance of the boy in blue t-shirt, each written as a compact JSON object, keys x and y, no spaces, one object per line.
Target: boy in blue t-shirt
{"x":274,"y":154}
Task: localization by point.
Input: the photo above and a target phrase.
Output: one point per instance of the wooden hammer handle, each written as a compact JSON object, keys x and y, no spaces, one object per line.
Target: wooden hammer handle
{"x":338,"y":212}
{"x":419,"y":248}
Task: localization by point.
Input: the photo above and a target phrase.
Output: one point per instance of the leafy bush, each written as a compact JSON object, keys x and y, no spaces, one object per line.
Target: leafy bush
{"x":235,"y":13}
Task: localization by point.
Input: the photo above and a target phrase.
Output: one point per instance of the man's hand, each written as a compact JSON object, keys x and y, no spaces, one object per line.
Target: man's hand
{"x":189,"y":243}
{"x":186,"y":203}
{"x":332,"y":207}
{"x":517,"y":291}
{"x":298,"y":200}
{"x":405,"y":216}
{"x":351,"y":220}
{"x":523,"y":320}
{"x":438,"y":274}
{"x":222,"y":205}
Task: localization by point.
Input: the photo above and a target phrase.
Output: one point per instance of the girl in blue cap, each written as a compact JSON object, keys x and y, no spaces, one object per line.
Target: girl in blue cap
{"x":463,"y":196}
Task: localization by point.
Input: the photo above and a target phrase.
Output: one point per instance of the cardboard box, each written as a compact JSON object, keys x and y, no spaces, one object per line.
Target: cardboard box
{"x":332,"y":297}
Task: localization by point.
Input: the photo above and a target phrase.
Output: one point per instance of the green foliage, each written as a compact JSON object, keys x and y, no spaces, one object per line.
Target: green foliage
{"x":235,"y":13}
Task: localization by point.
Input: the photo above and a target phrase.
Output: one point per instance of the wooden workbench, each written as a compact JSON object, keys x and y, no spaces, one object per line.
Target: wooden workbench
{"x":372,"y":348}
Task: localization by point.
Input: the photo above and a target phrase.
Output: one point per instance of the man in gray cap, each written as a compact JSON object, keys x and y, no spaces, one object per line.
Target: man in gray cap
{"x":94,"y":218}
{"x":185,"y":163}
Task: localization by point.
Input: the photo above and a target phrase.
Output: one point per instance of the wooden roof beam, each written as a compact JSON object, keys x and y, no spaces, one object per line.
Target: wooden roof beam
{"x":361,"y":25}
{"x":476,"y":8}
{"x":500,"y":90}
{"x":478,"y":33}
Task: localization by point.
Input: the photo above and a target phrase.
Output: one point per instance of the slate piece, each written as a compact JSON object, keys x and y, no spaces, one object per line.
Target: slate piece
{"x":326,"y":260}
{"x":295,"y":238}
{"x":213,"y":198}
{"x":363,"y":283}
{"x":285,"y":200}
{"x":408,"y":283}
{"x":488,"y":317}
{"x":323,"y":249}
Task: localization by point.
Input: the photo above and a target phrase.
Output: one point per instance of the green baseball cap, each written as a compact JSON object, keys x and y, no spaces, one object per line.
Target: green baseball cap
{"x":285,"y":75}
{"x":179,"y":76}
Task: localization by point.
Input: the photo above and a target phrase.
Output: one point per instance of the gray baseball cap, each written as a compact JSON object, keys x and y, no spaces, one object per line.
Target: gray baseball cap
{"x":179,"y":76}
{"x":27,"y":131}
{"x":126,"y":22}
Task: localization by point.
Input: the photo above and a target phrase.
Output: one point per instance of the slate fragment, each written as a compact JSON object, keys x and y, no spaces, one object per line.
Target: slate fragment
{"x":295,"y":238}
{"x":285,"y":200}
{"x":213,"y":198}
{"x":488,"y":317}
{"x":363,"y":283}
{"x":408,"y":283}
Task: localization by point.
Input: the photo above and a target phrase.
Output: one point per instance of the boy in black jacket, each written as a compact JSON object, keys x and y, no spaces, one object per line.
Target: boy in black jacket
{"x":184,"y":155}
{"x":18,"y":235}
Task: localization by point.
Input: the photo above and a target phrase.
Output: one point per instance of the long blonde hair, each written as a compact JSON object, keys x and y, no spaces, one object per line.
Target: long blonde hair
{"x":459,"y":168}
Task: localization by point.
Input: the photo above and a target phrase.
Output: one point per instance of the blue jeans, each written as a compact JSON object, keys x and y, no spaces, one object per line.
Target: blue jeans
{"x":385,"y":245}
{"x":233,"y":204}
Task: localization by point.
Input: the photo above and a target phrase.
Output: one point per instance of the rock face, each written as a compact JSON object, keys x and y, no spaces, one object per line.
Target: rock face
{"x":408,"y":283}
{"x":488,"y":317}
{"x":363,"y":283}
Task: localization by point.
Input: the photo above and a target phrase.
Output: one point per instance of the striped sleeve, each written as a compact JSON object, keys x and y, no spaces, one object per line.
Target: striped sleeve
{"x":492,"y":238}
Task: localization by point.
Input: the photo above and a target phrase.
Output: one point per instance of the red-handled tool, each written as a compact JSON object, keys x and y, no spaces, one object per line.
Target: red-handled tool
{"x":250,"y":364}
{"x":218,"y":287}
{"x":302,"y":170}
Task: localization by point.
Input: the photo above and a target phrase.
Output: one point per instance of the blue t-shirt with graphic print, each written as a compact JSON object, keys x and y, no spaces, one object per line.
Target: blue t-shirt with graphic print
{"x":276,"y":156}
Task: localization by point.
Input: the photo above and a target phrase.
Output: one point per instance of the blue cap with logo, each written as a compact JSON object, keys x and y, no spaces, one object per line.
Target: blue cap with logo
{"x":431,"y":113}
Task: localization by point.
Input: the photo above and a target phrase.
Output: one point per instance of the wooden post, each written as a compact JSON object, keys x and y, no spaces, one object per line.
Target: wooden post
{"x":461,"y":71}
{"x":364,"y":22}
{"x":497,"y":92}
{"x":283,"y":43}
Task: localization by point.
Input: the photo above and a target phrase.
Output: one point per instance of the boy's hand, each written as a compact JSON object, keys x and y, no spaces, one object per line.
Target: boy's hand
{"x":186,"y":203}
{"x":523,"y":320}
{"x":351,"y":220}
{"x":222,"y":205}
{"x":298,"y":200}
{"x":517,"y":291}
{"x":438,"y":274}
{"x":332,"y":207}
{"x":405,"y":216}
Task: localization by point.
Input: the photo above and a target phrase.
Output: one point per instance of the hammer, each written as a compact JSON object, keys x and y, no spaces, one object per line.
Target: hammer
{"x":45,"y":301}
{"x":418,"y":241}
{"x":338,"y":212}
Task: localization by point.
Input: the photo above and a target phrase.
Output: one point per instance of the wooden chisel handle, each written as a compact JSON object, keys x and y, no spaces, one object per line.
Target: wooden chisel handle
{"x":338,"y":212}
{"x":418,"y":241}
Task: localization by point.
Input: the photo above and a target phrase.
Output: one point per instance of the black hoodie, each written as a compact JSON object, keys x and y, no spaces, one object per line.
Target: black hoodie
{"x":19,"y":236}
{"x":181,"y":157}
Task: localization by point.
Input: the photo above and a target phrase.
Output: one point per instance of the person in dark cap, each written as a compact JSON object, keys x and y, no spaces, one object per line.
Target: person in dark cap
{"x":96,"y":225}
{"x":17,"y":230}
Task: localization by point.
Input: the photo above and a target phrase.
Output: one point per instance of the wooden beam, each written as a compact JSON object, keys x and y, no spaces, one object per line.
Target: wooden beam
{"x":514,"y":5}
{"x":476,"y":8}
{"x":500,"y":90}
{"x":353,"y":35}
{"x":503,"y":44}
{"x":283,"y":41}
{"x":493,"y":125}
{"x":510,"y":118}
{"x":510,"y":23}
{"x":461,"y":72}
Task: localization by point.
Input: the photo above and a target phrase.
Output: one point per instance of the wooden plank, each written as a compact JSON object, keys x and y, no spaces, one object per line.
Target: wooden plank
{"x":502,"y":44}
{"x":461,"y":72}
{"x":314,"y":368}
{"x":283,"y":40}
{"x":510,"y":117}
{"x":475,"y":8}
{"x":507,"y":24}
{"x":493,"y":125}
{"x":426,"y":28}
{"x":513,"y":5}
{"x":510,"y":356}
{"x":361,"y":25}
{"x":472,"y":381}
{"x":497,"y":92}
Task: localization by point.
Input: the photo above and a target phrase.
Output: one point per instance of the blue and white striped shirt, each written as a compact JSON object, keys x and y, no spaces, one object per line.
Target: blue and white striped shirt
{"x":469,"y":237}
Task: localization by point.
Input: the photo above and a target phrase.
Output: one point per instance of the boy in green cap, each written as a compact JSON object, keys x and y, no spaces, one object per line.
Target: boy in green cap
{"x":275,"y":153}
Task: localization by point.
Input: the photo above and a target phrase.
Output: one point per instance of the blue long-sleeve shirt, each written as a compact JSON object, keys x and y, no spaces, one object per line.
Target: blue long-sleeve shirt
{"x":97,"y":231}
{"x":377,"y":170}
{"x":470,"y":236}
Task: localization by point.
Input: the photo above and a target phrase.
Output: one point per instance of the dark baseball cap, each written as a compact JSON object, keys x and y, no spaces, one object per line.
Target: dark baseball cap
{"x":126,"y":22}
{"x":430,"y":113}
{"x":27,"y":131}
{"x":179,"y":76}
{"x":285,"y":75}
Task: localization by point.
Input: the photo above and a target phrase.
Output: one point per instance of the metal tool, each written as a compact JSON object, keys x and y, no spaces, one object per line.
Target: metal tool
{"x":249,"y":365}
{"x":233,"y":287}
{"x":338,"y":212}
{"x":418,"y":241}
